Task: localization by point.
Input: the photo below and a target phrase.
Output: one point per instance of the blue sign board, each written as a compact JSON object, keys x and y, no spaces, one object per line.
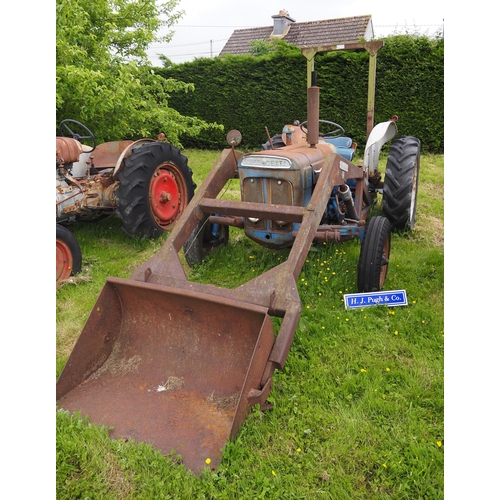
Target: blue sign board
{"x":391,"y":299}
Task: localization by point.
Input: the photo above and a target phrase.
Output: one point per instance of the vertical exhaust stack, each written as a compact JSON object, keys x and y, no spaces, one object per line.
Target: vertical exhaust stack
{"x":313,"y":113}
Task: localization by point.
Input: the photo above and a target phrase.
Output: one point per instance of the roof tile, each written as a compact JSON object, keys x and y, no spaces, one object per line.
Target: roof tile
{"x":307,"y":34}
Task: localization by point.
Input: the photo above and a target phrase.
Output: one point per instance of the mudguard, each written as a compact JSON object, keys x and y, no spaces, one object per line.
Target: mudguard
{"x":381,"y":133}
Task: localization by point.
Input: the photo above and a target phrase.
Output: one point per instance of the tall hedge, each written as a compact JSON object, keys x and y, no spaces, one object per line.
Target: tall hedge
{"x":249,"y":93}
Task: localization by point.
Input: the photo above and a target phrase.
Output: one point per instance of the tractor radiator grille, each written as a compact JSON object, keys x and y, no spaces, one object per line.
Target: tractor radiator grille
{"x":271,"y":191}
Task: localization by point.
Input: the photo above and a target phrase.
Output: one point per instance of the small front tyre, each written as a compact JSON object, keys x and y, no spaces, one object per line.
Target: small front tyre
{"x":68,"y":254}
{"x":205,"y":238}
{"x":275,"y":143}
{"x":374,"y":256}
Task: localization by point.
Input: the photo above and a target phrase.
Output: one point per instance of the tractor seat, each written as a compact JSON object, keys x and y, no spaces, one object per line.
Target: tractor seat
{"x":344,"y":146}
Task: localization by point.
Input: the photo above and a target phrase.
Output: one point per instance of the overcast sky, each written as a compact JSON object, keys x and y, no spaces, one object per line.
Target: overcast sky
{"x":208,"y":24}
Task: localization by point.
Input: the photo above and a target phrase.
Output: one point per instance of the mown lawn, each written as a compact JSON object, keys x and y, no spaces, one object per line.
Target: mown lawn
{"x":358,"y":410}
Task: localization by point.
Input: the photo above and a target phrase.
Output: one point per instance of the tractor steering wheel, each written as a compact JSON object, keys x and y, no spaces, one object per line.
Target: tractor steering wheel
{"x":64,"y":127}
{"x":337,"y":130}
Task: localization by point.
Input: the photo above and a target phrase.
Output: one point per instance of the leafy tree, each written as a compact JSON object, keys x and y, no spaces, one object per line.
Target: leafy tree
{"x":275,"y":45}
{"x":103,"y":77}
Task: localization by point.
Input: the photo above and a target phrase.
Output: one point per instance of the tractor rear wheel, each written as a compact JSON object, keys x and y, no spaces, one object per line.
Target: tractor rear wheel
{"x":68,"y":254}
{"x":205,"y":238}
{"x":399,"y":203}
{"x":155,"y":187}
{"x":276,"y":142}
{"x":374,"y":256}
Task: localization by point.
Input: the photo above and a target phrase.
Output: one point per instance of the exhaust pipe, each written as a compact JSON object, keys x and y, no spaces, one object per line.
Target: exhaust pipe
{"x":313,"y":113}
{"x":346,"y":195}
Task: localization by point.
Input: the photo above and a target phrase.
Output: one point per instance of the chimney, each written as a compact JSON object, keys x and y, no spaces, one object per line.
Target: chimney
{"x":281,"y":23}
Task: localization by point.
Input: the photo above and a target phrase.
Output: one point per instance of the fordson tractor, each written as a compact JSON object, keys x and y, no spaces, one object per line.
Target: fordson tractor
{"x":147,"y":183}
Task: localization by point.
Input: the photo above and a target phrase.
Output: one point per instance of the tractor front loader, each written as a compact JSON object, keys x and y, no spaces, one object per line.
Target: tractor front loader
{"x":179,"y":364}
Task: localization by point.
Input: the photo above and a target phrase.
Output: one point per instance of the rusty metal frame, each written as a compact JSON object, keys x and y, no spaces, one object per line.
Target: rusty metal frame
{"x":163,"y":277}
{"x":372,"y":48}
{"x":275,"y":289}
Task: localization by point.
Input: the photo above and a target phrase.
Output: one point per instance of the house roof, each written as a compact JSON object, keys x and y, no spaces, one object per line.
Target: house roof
{"x":307,"y":34}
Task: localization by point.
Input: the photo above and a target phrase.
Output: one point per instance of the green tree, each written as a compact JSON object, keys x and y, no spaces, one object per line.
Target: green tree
{"x":103,"y":76}
{"x":276,"y":46}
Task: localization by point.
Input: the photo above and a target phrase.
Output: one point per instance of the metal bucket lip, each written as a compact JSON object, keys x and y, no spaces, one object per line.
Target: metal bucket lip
{"x":187,"y":292}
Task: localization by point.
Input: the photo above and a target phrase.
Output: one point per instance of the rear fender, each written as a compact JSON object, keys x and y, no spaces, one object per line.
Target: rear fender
{"x":381,"y":133}
{"x":127,"y":152}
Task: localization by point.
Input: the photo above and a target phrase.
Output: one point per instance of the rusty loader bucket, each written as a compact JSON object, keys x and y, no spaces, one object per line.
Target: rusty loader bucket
{"x":173,"y":368}
{"x":178,"y":364}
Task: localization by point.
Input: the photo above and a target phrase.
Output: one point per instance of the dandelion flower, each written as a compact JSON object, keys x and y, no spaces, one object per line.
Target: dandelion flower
{"x":363,"y":370}
{"x":387,"y":369}
{"x":439,"y":443}
{"x":273,"y":473}
{"x":396,"y":332}
{"x":299,"y":450}
{"x":207,"y":461}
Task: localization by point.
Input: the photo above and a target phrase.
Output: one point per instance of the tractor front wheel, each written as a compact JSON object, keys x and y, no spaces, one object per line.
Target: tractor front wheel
{"x":399,"y":203}
{"x":155,"y":187}
{"x":374,"y":256}
{"x":205,"y":238}
{"x":276,"y":142}
{"x":68,"y":254}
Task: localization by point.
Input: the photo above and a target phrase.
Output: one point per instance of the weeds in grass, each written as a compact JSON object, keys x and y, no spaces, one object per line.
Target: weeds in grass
{"x":358,"y":408}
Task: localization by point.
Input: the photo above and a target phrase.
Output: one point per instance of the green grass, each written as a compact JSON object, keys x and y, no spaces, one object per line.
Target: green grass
{"x":358,"y":408}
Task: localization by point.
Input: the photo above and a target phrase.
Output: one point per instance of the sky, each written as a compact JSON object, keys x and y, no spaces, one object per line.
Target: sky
{"x":207,"y":25}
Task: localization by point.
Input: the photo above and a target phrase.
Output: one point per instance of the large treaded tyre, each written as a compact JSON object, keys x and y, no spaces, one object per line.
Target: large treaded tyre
{"x":155,"y":186}
{"x":68,"y":254}
{"x":399,"y":202}
{"x":374,"y":256}
{"x":204,"y":239}
{"x":277,"y":142}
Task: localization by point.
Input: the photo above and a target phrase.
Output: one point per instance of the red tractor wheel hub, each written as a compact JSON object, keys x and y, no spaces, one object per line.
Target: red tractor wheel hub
{"x":164,"y":195}
{"x":64,"y":261}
